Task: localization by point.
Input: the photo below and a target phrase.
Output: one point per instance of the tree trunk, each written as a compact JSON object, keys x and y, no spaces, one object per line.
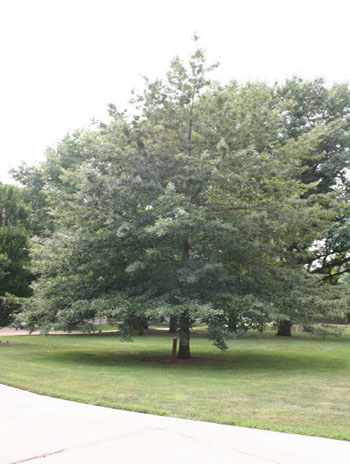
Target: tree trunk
{"x":232,"y":324}
{"x":173,"y":324}
{"x":284,"y":328}
{"x":184,"y":332}
{"x":184,"y":320}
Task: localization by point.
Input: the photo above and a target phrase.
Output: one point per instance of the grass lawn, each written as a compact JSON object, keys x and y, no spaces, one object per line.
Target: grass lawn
{"x":298,"y":385}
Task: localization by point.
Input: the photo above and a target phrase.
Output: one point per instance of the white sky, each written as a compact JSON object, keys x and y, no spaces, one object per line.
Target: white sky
{"x":63,"y":61}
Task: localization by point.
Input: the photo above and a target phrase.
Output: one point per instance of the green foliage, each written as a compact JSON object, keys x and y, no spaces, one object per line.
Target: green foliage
{"x":15,"y":277}
{"x":325,"y":330}
{"x":313,"y":103}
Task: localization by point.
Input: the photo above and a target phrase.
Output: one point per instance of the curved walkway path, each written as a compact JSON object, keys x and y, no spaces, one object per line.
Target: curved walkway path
{"x":42,"y":430}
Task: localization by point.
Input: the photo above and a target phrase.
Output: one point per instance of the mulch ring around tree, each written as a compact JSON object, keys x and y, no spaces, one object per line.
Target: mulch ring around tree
{"x":193,"y":360}
{"x":166,"y":331}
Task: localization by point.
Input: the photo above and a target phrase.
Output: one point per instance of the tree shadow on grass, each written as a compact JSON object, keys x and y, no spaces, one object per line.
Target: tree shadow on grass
{"x":256,"y":361}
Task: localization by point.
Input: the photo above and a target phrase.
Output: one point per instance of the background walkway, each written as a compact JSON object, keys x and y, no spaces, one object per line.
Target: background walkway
{"x":38,"y":429}
{"x":7,"y":331}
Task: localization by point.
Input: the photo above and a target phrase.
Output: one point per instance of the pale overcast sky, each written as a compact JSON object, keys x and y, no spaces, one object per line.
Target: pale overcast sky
{"x":63,"y":61}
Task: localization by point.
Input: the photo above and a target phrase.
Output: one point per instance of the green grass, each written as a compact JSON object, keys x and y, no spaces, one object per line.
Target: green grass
{"x":298,"y":385}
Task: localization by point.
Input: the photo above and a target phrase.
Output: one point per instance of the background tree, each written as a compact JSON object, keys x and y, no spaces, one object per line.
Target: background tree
{"x":15,"y":276}
{"x":312,"y":103}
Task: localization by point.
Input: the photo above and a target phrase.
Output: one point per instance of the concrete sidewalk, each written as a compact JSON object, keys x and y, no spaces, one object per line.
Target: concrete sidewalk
{"x":39,"y":429}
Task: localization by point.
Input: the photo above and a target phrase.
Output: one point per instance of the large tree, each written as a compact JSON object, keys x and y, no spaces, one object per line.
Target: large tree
{"x":194,"y":208}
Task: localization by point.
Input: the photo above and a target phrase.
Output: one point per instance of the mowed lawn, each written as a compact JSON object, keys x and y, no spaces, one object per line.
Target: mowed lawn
{"x":298,"y":385}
